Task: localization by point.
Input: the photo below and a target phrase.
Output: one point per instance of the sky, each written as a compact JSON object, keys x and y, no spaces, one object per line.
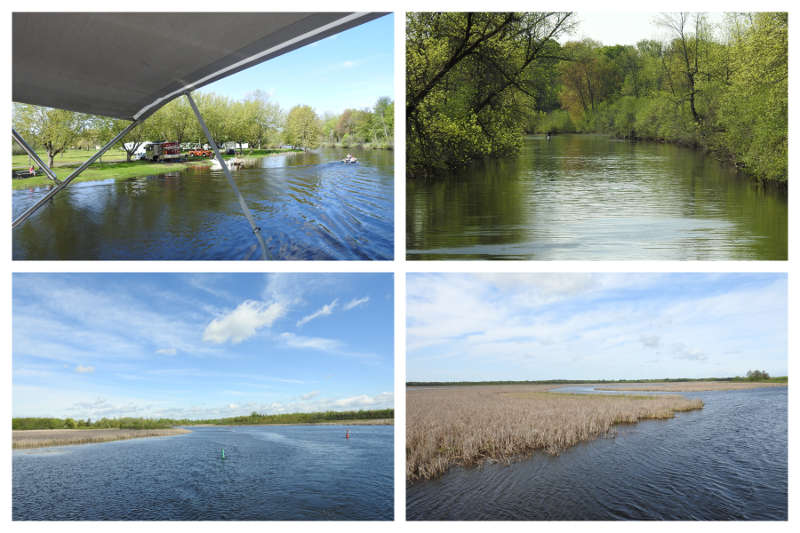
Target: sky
{"x":610,"y":27}
{"x":349,"y":70}
{"x":482,"y":327}
{"x":200,"y":345}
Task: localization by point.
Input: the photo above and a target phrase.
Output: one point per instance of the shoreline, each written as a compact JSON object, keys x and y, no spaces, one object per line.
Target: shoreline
{"x":22,"y":439}
{"x":722,"y":158}
{"x":121,"y":170}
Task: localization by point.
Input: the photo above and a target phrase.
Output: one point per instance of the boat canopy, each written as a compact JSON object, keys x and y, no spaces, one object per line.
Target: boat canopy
{"x":128,"y":65}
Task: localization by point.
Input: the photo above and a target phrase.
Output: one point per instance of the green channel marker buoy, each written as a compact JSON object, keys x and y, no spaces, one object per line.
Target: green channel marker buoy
{"x":223,"y":453}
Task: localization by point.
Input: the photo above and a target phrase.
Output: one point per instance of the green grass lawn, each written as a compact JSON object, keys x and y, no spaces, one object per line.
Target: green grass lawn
{"x":113,"y":166}
{"x":106,"y":171}
{"x":70,"y":157}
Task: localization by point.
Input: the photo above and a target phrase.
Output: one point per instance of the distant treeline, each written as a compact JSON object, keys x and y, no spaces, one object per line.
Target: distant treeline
{"x":779,"y":379}
{"x":476,"y":82}
{"x":153,"y":423}
{"x":255,"y":120}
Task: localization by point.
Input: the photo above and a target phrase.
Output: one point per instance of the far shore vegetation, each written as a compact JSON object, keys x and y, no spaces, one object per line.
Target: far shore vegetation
{"x":375,"y":416}
{"x":466,"y":426}
{"x":478,"y":82}
{"x":65,"y":138}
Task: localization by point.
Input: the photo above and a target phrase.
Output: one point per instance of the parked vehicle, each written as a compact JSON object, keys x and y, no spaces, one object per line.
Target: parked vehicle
{"x":162,"y":151}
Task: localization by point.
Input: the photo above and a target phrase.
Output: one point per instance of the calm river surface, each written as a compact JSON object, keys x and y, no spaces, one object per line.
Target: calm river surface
{"x":308,"y":205}
{"x":727,"y":461}
{"x":590,"y":197}
{"x":269,"y":473}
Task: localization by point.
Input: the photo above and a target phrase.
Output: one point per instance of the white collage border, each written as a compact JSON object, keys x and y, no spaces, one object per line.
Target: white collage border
{"x":399,"y":266}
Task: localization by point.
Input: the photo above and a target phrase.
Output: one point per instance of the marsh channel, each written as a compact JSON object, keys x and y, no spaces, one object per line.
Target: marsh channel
{"x":727,"y":461}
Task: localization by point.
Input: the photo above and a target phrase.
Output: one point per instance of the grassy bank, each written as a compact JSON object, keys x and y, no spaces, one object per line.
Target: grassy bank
{"x":696,"y":386}
{"x":121,"y":169}
{"x":40,"y":438}
{"x":105,"y":171}
{"x":467,"y":425}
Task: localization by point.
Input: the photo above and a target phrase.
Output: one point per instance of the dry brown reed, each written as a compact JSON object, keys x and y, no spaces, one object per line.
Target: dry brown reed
{"x":689,"y":386}
{"x":467,"y":425}
{"x":38,"y":438}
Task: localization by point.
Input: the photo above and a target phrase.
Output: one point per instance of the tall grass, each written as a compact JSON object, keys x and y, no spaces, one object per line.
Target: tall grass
{"x":467,"y":425}
{"x":695,"y":386}
{"x":38,"y":438}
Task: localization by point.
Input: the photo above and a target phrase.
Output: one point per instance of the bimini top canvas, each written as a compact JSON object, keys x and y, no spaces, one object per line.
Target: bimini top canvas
{"x":127,"y":65}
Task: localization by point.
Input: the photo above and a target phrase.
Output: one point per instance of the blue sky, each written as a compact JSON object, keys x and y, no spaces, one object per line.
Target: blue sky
{"x":594,"y":326}
{"x":351,"y":69}
{"x":200,"y":345}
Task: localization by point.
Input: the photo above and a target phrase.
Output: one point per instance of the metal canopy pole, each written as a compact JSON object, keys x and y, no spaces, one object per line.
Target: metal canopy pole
{"x":242,"y":204}
{"x":31,"y":210}
{"x":20,"y":141}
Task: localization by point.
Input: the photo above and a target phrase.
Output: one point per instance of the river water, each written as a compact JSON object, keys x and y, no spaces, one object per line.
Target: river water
{"x":308,"y":205}
{"x":590,"y":197}
{"x":269,"y":473}
{"x":727,"y":461}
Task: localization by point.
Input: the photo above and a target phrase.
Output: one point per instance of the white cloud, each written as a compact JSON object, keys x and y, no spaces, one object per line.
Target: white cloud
{"x":325,"y":310}
{"x":309,"y":395}
{"x":167,"y":351}
{"x":522,"y":326}
{"x":243,"y":322}
{"x":352,"y":304}
{"x":316,"y":343}
{"x":84,"y":369}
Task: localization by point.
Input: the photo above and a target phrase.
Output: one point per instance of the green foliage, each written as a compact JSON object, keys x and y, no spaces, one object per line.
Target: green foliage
{"x":303,"y":127}
{"x":476,"y":81}
{"x":729,"y":98}
{"x":160,"y":423}
{"x":472,"y":79}
{"x":757,"y":375}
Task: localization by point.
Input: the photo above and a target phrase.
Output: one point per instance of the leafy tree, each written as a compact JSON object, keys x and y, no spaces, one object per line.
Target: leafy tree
{"x":53,"y":129}
{"x":303,"y":128}
{"x":470,"y":81}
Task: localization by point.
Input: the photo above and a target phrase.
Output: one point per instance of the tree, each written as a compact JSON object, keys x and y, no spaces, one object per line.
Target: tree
{"x":757,"y":375}
{"x":471,"y":81}
{"x":53,"y":129}
{"x":263,"y":119}
{"x":303,"y":128}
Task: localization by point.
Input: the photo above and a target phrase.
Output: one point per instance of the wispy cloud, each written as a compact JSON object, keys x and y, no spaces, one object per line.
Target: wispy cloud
{"x":84,"y":369}
{"x":243,"y":322}
{"x":499,"y":326}
{"x":352,"y":304}
{"x":167,"y":351}
{"x":325,"y":310}
{"x":316,"y":343}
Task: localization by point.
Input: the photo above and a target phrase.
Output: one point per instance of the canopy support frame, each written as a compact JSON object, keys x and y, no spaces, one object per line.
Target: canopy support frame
{"x":226,"y":170}
{"x":32,"y":154}
{"x":49,"y":196}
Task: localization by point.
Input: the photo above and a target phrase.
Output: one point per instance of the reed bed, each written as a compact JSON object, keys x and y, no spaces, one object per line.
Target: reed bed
{"x":468,"y":425}
{"x":39,"y":438}
{"x":691,"y":386}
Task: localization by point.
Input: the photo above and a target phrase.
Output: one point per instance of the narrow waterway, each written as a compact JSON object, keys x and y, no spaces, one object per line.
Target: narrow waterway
{"x":590,"y":197}
{"x":727,"y":461}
